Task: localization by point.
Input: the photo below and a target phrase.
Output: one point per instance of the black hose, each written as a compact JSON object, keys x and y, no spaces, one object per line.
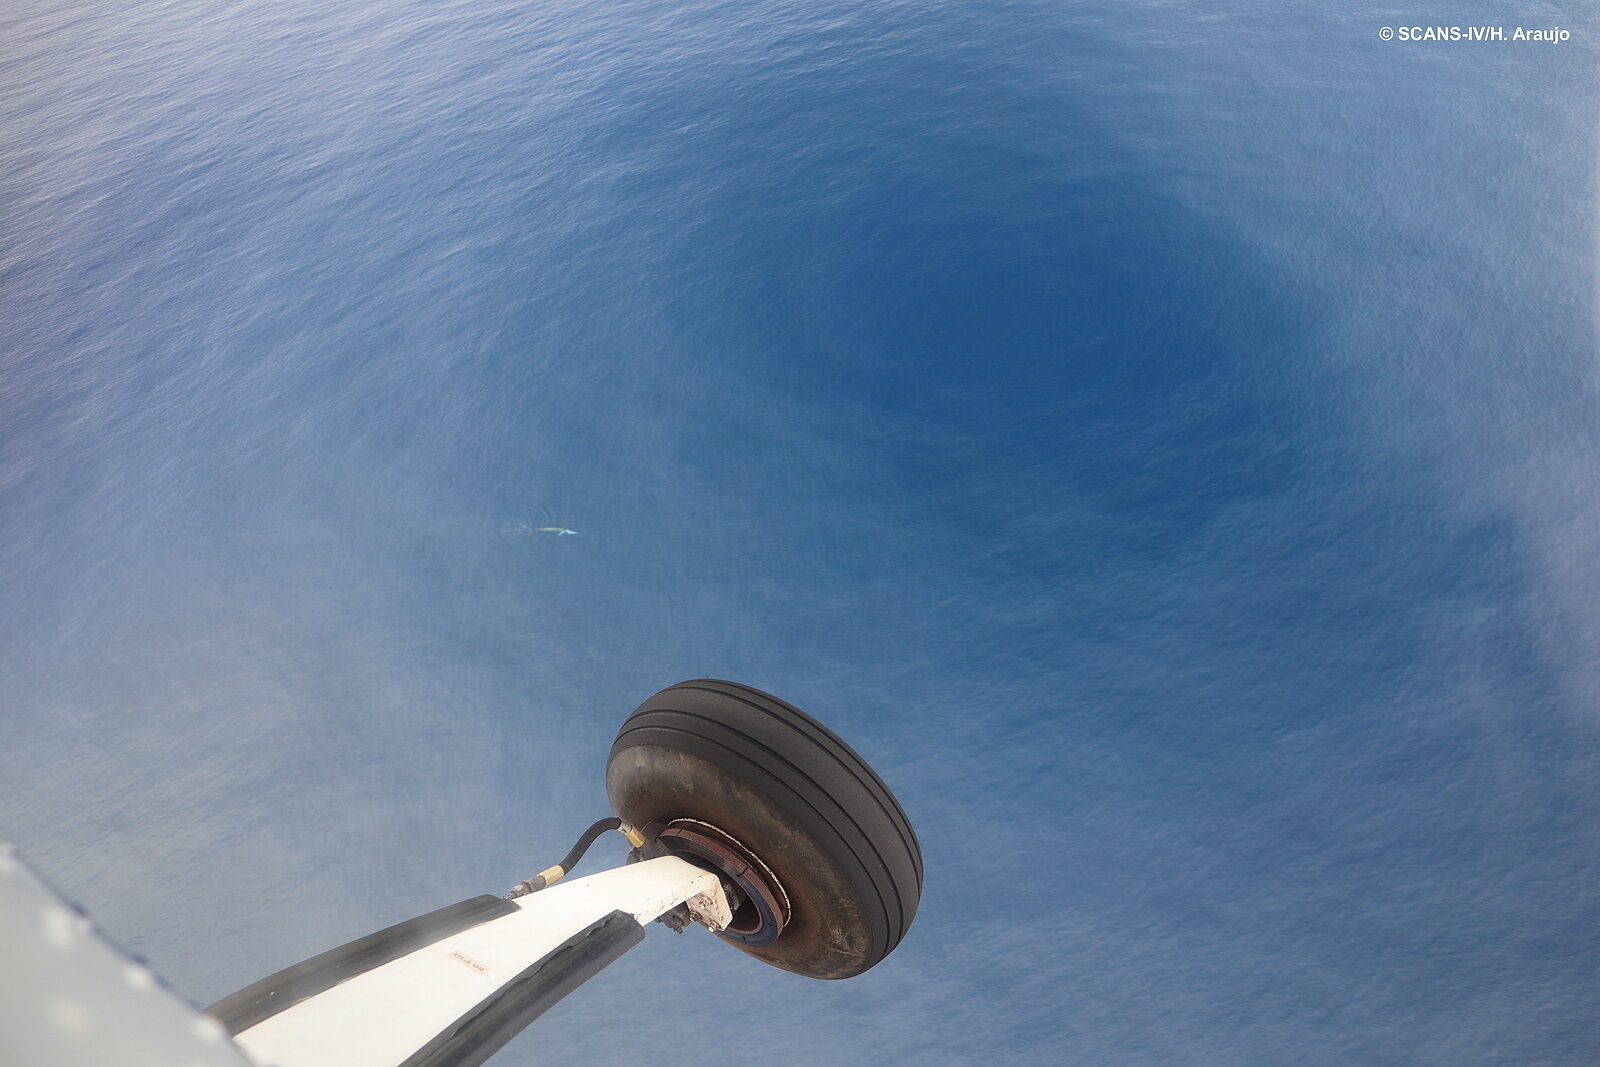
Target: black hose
{"x":590,"y":836}
{"x":569,"y":861}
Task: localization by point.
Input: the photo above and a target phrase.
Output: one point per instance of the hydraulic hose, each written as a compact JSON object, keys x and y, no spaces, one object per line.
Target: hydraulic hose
{"x":551,"y":875}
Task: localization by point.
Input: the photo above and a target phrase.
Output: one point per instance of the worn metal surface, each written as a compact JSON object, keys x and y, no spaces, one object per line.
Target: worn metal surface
{"x":711,"y":910}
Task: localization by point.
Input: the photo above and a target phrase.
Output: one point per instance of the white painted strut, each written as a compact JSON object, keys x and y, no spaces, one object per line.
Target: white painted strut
{"x":405,"y":1010}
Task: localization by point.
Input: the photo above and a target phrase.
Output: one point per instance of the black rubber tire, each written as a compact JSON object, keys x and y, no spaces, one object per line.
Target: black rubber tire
{"x":795,"y":795}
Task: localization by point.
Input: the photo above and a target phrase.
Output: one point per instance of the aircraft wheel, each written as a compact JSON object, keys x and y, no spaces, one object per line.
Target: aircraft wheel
{"x":828,"y":865}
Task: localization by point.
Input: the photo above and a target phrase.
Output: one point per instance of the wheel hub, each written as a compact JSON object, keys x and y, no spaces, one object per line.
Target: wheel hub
{"x":761,"y":916}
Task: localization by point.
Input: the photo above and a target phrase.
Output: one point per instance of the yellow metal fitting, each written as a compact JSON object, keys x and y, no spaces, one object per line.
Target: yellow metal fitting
{"x":635,"y":838}
{"x":551,"y":875}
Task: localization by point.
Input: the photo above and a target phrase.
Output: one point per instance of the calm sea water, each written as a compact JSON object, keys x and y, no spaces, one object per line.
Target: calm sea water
{"x":1161,"y":437}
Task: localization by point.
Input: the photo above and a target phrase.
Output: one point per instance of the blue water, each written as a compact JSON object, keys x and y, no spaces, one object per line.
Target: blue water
{"x":1160,"y":436}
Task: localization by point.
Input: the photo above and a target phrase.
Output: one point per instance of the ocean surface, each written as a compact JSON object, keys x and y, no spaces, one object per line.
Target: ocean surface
{"x":1162,"y":437}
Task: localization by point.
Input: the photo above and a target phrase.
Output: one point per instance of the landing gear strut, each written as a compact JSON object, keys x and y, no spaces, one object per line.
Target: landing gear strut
{"x":746,"y":816}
